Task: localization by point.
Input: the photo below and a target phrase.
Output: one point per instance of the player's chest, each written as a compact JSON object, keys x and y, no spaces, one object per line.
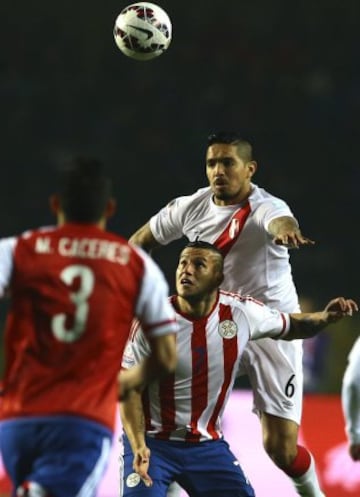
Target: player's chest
{"x":209,"y":348}
{"x":215,"y":227}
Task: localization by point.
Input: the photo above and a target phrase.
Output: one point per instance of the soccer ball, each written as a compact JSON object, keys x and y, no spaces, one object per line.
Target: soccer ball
{"x":143,"y":31}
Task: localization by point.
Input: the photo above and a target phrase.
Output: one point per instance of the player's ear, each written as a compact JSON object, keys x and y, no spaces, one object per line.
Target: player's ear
{"x":110,"y":208}
{"x":220,"y":278}
{"x":54,"y":203}
{"x":252,"y":167}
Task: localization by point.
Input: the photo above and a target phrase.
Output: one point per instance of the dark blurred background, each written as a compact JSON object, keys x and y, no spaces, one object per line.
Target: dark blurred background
{"x":286,"y":74}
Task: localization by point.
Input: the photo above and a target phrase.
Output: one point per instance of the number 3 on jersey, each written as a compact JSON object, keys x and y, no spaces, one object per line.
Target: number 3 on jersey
{"x":80,"y":300}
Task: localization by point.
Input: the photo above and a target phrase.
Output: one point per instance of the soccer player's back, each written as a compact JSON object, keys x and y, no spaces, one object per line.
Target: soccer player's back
{"x":74,"y":291}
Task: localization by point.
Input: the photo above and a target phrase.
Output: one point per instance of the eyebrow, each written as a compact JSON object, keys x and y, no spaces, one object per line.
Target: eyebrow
{"x":196,"y":258}
{"x":220,"y":158}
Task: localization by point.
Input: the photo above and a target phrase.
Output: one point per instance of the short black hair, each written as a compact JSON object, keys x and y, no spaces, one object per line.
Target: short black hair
{"x":207,"y":246}
{"x":232,"y":138}
{"x":203,"y":245}
{"x":84,"y":189}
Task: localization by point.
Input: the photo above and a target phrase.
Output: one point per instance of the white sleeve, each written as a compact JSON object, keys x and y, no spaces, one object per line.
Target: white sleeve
{"x":272,"y":209}
{"x":350,"y":394}
{"x":7,"y":246}
{"x":167,"y":225}
{"x":153,"y":309}
{"x":136,"y":349}
{"x":264,"y":321}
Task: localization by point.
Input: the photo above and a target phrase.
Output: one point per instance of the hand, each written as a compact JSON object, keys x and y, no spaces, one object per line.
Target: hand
{"x":292,"y":239}
{"x":341,"y":306}
{"x":354,"y":451}
{"x":141,"y":464}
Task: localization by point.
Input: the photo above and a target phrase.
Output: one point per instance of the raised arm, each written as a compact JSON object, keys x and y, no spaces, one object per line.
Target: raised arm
{"x":144,"y":238}
{"x":285,"y":231}
{"x":308,"y":324}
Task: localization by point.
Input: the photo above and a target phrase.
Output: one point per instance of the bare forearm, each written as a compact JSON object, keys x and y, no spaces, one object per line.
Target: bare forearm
{"x":306,"y":325}
{"x":144,"y":238}
{"x":283,"y":224}
{"x":132,"y":418}
{"x":309,"y":324}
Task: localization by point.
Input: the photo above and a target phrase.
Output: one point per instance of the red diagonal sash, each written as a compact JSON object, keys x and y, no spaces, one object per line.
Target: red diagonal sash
{"x":233,"y":229}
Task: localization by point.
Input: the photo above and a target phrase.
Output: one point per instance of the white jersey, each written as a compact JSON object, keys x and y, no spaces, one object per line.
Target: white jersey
{"x":351,"y":394}
{"x":253,"y":263}
{"x":188,"y":405}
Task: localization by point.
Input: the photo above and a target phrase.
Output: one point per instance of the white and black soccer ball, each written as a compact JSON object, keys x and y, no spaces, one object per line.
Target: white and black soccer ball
{"x":143,"y":31}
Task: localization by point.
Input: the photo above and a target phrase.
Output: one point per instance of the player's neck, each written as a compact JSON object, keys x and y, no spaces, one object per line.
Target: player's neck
{"x":196,"y":308}
{"x":61,"y":220}
{"x":239,"y":198}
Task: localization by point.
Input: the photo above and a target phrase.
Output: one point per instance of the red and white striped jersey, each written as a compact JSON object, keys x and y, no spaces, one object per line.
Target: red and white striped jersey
{"x":253,"y":265}
{"x":188,"y":405}
{"x":74,"y":291}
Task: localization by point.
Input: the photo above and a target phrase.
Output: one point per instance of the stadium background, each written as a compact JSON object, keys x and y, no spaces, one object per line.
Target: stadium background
{"x":286,"y":74}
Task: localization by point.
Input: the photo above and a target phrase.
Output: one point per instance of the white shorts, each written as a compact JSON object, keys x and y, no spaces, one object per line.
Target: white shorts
{"x":275,"y":372}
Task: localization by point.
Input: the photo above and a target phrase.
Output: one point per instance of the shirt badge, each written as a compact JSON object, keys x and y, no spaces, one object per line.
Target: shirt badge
{"x":234,"y":228}
{"x":227,"y":329}
{"x":133,"y":480}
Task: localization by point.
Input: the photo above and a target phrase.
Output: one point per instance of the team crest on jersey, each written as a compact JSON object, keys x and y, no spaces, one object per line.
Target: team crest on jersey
{"x":227,"y":329}
{"x":234,"y":228}
{"x":133,"y":480}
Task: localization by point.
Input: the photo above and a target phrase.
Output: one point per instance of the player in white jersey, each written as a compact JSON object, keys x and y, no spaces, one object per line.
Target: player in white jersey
{"x":351,"y":400}
{"x":184,"y":411}
{"x":254,"y":230}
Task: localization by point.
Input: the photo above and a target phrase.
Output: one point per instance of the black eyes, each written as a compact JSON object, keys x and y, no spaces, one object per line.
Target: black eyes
{"x":195,"y":264}
{"x":222,"y":162}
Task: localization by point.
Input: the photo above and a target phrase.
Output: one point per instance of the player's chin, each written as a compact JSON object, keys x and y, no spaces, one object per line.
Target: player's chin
{"x":222,"y":192}
{"x":184,"y":290}
{"x":188,"y":292}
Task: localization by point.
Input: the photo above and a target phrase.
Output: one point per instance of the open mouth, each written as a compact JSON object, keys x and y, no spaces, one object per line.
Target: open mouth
{"x":220,"y":184}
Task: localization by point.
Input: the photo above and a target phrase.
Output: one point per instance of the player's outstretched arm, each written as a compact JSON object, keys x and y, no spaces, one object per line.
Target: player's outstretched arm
{"x":306,"y":325}
{"x":285,"y":231}
{"x":132,"y":418}
{"x":144,"y":238}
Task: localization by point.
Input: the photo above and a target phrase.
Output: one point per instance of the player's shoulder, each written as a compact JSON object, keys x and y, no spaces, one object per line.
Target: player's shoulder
{"x":34,"y":232}
{"x":259,"y":194}
{"x":192,"y":199}
{"x":237,"y":300}
{"x":28,"y":237}
{"x":147,"y":263}
{"x":204,"y":192}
